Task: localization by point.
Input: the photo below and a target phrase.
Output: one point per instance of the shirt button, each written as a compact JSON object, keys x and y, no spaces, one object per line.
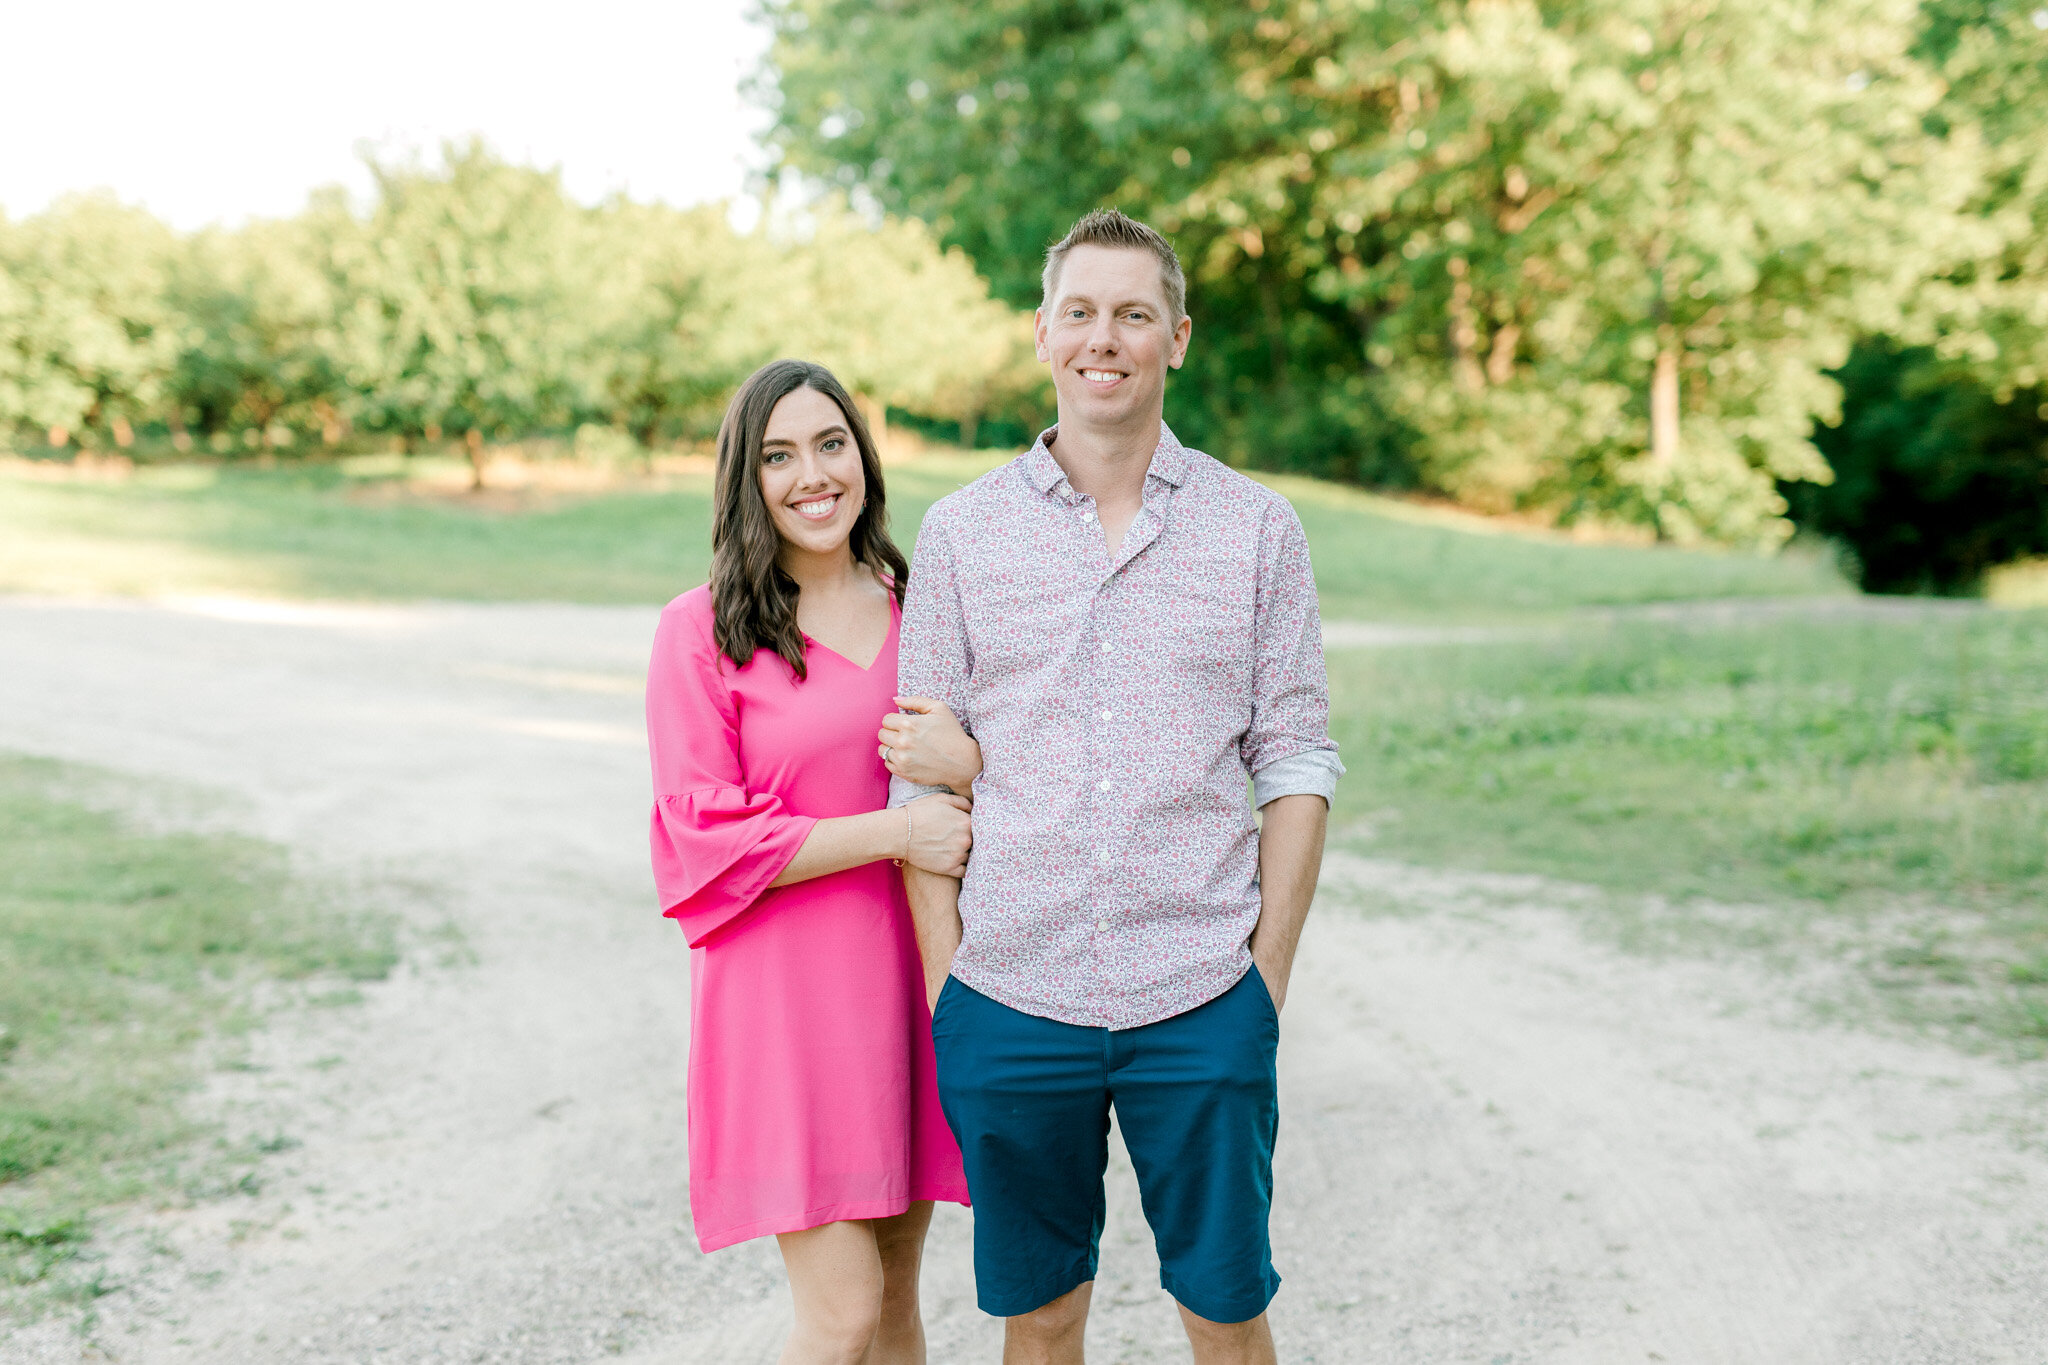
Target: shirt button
{"x":1105,"y":715}
{"x":1087,"y":516}
{"x":1105,"y":646}
{"x":1103,"y":784}
{"x":1102,"y":926}
{"x":1102,"y":856}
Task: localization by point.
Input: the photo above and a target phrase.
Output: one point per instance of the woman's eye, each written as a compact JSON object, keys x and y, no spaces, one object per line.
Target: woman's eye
{"x":834,"y":444}
{"x":774,"y":457}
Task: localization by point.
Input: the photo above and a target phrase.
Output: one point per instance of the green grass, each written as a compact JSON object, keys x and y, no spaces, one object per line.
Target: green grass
{"x":1853,"y":767}
{"x":317,"y":531}
{"x":1378,"y":558}
{"x":120,"y":950}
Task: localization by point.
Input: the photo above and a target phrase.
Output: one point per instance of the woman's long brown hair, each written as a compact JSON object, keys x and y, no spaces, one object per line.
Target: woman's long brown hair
{"x":753,"y":602}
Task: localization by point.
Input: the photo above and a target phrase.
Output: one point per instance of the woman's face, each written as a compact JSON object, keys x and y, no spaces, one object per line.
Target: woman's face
{"x":810,"y":472}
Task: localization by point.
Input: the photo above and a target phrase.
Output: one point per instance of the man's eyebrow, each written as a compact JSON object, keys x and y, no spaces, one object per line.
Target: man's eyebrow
{"x":1147,"y":304}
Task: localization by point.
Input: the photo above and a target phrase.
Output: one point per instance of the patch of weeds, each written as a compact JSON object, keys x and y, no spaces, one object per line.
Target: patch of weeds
{"x":121,"y":950}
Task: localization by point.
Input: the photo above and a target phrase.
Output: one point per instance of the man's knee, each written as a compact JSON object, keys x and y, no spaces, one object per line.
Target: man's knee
{"x":1248,"y":1341}
{"x":1064,"y":1317}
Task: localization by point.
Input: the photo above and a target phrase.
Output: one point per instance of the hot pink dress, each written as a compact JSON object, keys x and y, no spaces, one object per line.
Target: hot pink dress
{"x":811,"y":1081}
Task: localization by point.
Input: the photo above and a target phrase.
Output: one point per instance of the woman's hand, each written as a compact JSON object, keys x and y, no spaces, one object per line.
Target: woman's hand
{"x":939,"y":834}
{"x":928,"y":747}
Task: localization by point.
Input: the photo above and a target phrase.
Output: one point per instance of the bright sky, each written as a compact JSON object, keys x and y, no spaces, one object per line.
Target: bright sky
{"x":217,"y":110}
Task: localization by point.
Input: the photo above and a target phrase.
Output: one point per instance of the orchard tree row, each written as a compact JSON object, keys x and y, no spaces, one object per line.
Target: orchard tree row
{"x":475,"y":301}
{"x":1595,"y":258}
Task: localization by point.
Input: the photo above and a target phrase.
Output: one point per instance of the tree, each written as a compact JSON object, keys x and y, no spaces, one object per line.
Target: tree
{"x":466,"y":300}
{"x":1938,"y":478}
{"x":1592,"y":256}
{"x":258,"y":316}
{"x":86,"y":336}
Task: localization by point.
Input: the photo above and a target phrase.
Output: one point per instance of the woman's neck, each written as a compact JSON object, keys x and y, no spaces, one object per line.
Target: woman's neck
{"x":822,"y":574}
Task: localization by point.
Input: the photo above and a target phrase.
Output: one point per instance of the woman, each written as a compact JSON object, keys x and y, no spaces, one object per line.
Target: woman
{"x":813,"y":1111}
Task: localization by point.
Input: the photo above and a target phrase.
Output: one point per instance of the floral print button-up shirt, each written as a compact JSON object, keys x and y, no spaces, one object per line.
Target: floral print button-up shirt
{"x":1121,"y":703}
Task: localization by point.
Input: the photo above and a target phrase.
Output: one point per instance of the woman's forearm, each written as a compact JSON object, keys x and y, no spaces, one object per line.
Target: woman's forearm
{"x":847,"y":841}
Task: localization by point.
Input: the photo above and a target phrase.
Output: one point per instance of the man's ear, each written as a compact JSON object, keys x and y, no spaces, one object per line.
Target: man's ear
{"x":1038,"y":334}
{"x":1179,"y":350}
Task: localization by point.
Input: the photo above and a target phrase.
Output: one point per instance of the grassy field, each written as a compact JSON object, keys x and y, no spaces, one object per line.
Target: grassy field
{"x":1830,"y":763}
{"x":1891,"y":774}
{"x":120,"y":950}
{"x":321,"y":531}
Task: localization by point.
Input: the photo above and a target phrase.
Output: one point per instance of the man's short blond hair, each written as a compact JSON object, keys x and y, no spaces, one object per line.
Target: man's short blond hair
{"x":1108,"y":227}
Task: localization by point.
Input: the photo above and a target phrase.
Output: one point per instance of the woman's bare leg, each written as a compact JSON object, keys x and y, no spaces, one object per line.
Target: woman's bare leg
{"x":835,"y":1277}
{"x":900,"y":1242}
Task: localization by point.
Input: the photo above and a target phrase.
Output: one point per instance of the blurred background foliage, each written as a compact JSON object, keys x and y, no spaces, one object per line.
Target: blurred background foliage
{"x":475,"y":302}
{"x":1594,"y":259}
{"x":1698,"y":272}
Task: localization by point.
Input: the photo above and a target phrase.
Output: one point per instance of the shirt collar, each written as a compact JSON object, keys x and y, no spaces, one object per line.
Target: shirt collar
{"x":1043,"y":472}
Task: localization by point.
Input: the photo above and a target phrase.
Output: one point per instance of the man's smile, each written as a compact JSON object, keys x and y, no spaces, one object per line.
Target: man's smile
{"x":1103,"y":378}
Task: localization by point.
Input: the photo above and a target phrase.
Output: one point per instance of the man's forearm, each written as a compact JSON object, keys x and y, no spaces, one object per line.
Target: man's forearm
{"x":1291,"y":830}
{"x":935,"y":915}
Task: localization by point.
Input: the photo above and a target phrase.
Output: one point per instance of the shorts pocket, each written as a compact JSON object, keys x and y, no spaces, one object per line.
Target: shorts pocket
{"x":1265,"y":994}
{"x":946,"y":994}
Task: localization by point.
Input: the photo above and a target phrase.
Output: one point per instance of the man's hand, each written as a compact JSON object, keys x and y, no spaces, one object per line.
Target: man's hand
{"x":1274,"y":974}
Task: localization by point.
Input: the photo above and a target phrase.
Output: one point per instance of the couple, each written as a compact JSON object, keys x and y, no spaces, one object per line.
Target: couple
{"x":1103,"y":642}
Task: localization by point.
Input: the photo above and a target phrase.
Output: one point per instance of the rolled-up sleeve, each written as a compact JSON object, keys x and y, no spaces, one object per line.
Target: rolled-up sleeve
{"x":1287,"y":748}
{"x":933,"y":657}
{"x":716,"y":846}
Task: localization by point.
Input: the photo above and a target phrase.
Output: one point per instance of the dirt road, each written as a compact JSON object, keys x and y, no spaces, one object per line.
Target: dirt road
{"x":1500,"y":1142}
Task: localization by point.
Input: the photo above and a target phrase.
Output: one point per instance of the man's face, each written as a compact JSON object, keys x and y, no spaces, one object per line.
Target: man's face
{"x":1109,"y":337}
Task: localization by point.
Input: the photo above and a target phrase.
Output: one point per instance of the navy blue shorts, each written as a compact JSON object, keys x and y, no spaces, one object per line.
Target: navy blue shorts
{"x":1197,"y":1099}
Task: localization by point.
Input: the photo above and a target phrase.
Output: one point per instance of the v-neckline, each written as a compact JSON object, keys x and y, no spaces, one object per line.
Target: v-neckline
{"x":895,"y":620}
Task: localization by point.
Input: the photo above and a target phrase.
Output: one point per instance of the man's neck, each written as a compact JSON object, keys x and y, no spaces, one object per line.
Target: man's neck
{"x":1107,"y":464}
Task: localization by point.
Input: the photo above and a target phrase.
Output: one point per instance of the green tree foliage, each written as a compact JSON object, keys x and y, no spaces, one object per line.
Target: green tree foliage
{"x":475,"y":300}
{"x":1937,"y":478}
{"x":86,"y":340}
{"x":258,"y":336}
{"x":1994,"y":59}
{"x":1590,"y":256}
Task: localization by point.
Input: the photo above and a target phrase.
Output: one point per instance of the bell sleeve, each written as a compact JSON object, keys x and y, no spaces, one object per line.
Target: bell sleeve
{"x":716,"y":846}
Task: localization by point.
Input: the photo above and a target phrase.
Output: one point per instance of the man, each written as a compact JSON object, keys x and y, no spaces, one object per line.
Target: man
{"x":1129,"y":628}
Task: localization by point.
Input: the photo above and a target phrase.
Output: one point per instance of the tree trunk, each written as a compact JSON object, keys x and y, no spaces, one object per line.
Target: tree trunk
{"x":473,"y":443}
{"x":1464,"y":331}
{"x":1664,"y":409}
{"x":1500,"y":360}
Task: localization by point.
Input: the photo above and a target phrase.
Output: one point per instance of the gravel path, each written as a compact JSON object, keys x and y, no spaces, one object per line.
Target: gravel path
{"x":1500,"y":1142}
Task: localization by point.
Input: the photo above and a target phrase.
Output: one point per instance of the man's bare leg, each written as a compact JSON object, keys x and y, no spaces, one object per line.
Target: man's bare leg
{"x":1050,"y":1335}
{"x":1229,"y":1343}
